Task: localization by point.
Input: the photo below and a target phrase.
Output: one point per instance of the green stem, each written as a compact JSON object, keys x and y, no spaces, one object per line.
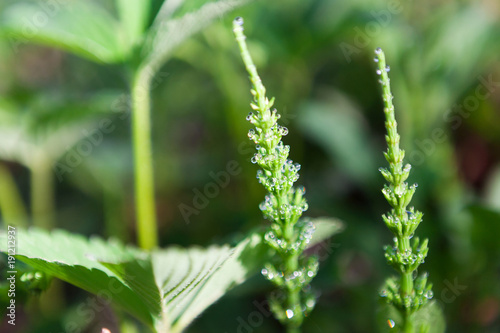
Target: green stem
{"x":143,"y":161}
{"x":408,"y":323}
{"x":11,"y":204}
{"x":42,"y":192}
{"x":406,"y":278}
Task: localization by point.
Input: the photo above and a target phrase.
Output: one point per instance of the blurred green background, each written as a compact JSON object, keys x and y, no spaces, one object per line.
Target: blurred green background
{"x":67,"y":119}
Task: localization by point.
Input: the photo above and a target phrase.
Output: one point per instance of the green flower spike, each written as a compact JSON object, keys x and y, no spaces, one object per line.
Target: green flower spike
{"x":407,"y":293}
{"x":291,"y":271}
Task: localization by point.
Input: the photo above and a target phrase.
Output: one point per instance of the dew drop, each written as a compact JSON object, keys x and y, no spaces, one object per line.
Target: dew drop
{"x":238,"y":20}
{"x":310,"y":273}
{"x":383,"y":293}
{"x":284,"y":131}
{"x":375,"y":59}
{"x":429,"y":294}
{"x":253,"y":160}
{"x":387,"y":68}
{"x":391,"y":323}
{"x":378,"y":50}
{"x":289,"y":314}
{"x":379,"y":72}
{"x":264,"y":271}
{"x":310,"y":303}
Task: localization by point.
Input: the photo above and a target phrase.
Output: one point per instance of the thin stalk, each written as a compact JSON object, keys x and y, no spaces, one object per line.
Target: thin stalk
{"x":143,"y":161}
{"x":11,"y":204}
{"x":42,"y":192}
{"x":407,"y":253}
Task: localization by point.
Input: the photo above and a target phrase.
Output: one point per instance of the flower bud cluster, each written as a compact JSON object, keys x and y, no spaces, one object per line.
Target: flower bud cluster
{"x":284,"y":204}
{"x":408,"y":293}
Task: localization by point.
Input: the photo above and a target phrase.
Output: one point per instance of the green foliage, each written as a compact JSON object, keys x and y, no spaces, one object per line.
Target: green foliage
{"x":90,"y":31}
{"x":406,"y":293}
{"x":340,"y":133}
{"x":80,"y":27}
{"x":166,"y":289}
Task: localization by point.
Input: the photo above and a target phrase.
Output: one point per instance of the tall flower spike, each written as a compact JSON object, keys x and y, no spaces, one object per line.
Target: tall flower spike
{"x":406,"y":293}
{"x":290,"y":272}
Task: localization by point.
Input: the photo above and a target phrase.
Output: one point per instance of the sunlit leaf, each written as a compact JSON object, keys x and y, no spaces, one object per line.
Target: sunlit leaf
{"x":166,"y":288}
{"x":80,"y":27}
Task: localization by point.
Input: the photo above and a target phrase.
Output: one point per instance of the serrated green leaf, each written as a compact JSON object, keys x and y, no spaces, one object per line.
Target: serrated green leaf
{"x":80,"y":27}
{"x":167,"y":288}
{"x":73,"y":258}
{"x":177,"y":21}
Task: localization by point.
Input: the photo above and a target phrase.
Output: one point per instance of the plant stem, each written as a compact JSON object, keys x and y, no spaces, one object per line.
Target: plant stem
{"x":42,"y":192}
{"x":11,"y":204}
{"x":143,"y":161}
{"x":407,"y":253}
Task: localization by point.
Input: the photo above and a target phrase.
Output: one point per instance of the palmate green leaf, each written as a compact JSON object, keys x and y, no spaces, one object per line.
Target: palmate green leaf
{"x":167,"y":288}
{"x":80,"y":27}
{"x":177,"y":21}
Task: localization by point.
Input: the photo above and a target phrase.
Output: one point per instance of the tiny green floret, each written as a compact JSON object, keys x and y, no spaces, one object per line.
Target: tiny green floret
{"x":291,"y":272}
{"x":407,"y":253}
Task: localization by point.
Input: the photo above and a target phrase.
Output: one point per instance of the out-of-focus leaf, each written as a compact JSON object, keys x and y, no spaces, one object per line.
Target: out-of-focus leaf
{"x":325,"y":228}
{"x":166,"y":34}
{"x":134,"y":17}
{"x":80,"y":27}
{"x":337,"y":126}
{"x":48,"y":124}
{"x":428,"y":319}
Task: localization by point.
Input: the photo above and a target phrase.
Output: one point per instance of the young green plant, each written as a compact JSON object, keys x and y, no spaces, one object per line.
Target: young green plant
{"x":291,"y":271}
{"x":407,"y":293}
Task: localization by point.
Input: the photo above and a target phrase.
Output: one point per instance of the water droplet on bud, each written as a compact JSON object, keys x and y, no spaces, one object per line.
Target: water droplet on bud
{"x":238,"y":20}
